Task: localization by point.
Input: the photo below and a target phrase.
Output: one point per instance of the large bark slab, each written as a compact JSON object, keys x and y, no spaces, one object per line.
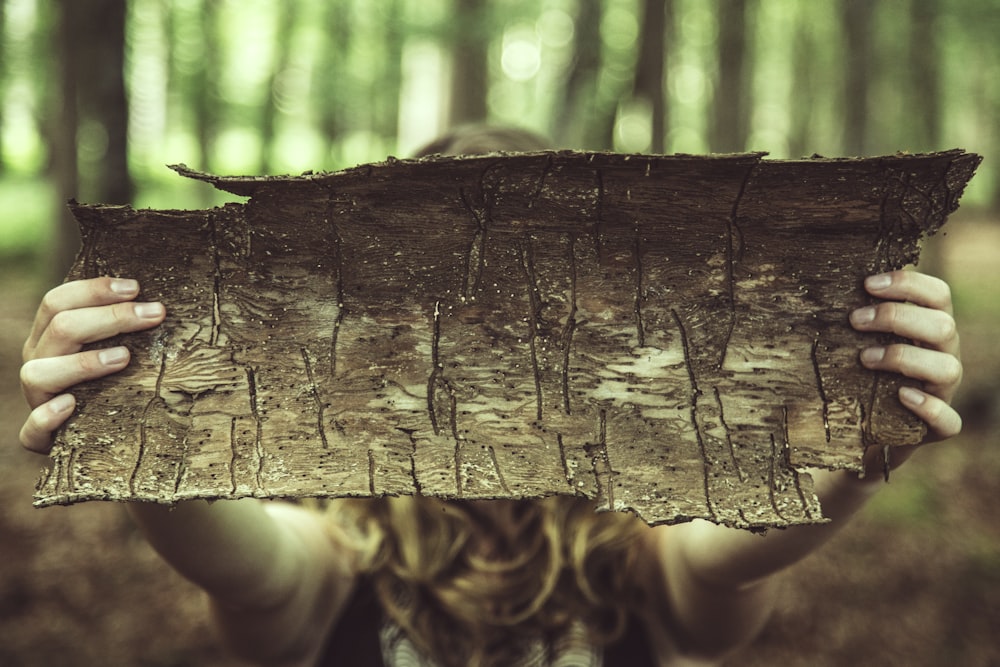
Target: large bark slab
{"x":666,"y":334}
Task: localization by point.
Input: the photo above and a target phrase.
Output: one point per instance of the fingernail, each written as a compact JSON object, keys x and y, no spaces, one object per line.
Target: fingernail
{"x":149,"y":311}
{"x":62,"y":403}
{"x":863,"y":315}
{"x":124,"y":286}
{"x":911,"y":396}
{"x":878,"y":282}
{"x":872,"y":355}
{"x":113,"y":356}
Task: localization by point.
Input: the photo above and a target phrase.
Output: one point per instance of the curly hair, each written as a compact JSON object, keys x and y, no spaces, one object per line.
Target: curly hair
{"x":470,"y":581}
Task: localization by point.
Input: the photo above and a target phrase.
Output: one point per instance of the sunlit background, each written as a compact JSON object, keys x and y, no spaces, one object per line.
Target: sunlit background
{"x":97,"y":96}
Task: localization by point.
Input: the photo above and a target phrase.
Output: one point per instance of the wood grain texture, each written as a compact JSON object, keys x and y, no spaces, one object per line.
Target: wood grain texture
{"x":667,"y":334}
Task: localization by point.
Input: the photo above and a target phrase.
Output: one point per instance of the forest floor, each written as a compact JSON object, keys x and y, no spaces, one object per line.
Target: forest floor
{"x":914,"y":581}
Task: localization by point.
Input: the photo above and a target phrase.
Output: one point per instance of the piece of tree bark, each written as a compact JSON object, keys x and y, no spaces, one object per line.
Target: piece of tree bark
{"x":666,"y":334}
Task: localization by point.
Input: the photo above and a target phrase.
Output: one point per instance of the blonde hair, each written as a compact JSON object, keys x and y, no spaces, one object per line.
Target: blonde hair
{"x":469,"y":582}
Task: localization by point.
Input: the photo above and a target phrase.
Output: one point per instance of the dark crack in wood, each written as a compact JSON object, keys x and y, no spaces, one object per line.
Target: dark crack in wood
{"x":733,"y":253}
{"x":436,"y":369}
{"x":258,"y":445}
{"x":540,"y":185}
{"x":475,"y":261}
{"x":772,"y":479}
{"x":637,"y":306}
{"x":498,"y":469}
{"x":233,"y":458}
{"x":813,"y":352}
{"x":338,"y":262}
{"x":569,"y":328}
{"x":144,"y":425}
{"x":216,"y":324}
{"x":729,"y":436}
{"x":534,"y":307}
{"x":693,"y":402}
{"x":317,"y":400}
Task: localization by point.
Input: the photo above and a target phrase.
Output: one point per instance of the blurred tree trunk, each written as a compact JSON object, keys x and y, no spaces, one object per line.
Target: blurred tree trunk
{"x":331,"y":83}
{"x":856,"y":21}
{"x":803,"y":76}
{"x":269,"y":105}
{"x":650,"y":77}
{"x":92,"y":58}
{"x":731,"y":108}
{"x":3,"y":76}
{"x":387,"y":104}
{"x":204,"y":84}
{"x":470,"y":67}
{"x":578,"y":119}
{"x":925,"y":86}
{"x":923,"y":111}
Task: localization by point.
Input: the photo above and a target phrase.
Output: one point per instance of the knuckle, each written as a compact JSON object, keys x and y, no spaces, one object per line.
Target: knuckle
{"x":944,"y":293}
{"x":933,"y":411}
{"x":32,"y":384}
{"x":943,"y":420}
{"x":34,"y":435}
{"x":26,"y":374}
{"x":947,"y":330}
{"x":895,"y":356}
{"x":51,"y":303}
{"x":28,"y":381}
{"x":956,"y":425}
{"x":123,"y":315}
{"x":888,"y":313}
{"x":88,"y":363}
{"x":901,"y":277}
{"x":32,"y":381}
{"x":952,"y":372}
{"x":61,"y":326}
{"x":25,"y":437}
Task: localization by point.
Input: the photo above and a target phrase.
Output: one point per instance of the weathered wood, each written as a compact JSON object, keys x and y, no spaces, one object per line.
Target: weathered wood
{"x":666,"y":334}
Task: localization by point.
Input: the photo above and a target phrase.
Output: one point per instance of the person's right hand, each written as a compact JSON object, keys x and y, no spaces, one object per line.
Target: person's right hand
{"x":70,"y":316}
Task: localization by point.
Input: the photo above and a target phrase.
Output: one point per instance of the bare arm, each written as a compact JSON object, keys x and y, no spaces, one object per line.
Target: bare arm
{"x":714,"y":572}
{"x":276,"y":579}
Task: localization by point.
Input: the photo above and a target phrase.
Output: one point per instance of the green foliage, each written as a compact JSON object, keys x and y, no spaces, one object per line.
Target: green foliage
{"x":28,"y":222}
{"x":913,"y":505}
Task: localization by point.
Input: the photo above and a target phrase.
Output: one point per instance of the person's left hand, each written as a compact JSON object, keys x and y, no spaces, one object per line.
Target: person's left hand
{"x":917,"y":307}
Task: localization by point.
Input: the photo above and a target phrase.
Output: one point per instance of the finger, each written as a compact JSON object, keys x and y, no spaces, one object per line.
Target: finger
{"x":941,"y":373}
{"x":69,"y":330}
{"x":932,"y":328}
{"x":79,"y":294}
{"x":913,"y":286}
{"x":36,"y":434}
{"x":41,"y":379}
{"x":942,"y":420}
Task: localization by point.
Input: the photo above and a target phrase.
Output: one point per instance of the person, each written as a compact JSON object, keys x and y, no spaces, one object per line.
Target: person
{"x":424,"y":581}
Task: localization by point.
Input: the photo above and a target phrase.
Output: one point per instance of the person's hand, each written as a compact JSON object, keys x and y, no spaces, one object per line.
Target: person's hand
{"x":69,"y":317}
{"x":917,"y":307}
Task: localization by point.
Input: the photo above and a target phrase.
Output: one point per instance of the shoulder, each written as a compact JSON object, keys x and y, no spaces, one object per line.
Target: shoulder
{"x":687,"y":614}
{"x":293,"y":629}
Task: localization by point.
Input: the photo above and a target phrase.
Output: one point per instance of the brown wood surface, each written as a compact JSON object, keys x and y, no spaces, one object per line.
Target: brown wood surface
{"x":667,"y":334}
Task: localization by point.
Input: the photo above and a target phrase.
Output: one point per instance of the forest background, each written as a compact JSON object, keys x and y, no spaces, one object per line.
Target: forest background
{"x":97,"y":96}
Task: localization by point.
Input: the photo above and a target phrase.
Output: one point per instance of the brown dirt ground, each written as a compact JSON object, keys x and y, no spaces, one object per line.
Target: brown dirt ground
{"x":914,"y":581}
